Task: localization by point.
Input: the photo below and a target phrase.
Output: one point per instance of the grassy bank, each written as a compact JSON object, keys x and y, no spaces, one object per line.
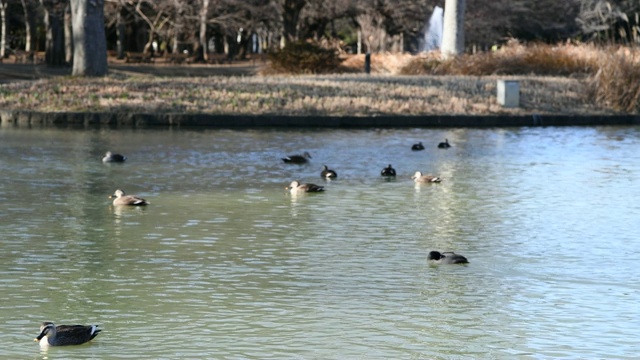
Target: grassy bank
{"x":564,"y":80}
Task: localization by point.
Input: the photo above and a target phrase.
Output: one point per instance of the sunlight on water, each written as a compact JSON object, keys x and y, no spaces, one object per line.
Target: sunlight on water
{"x":225,"y":263}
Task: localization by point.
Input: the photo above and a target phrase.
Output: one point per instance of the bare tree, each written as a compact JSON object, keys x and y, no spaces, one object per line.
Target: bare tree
{"x":453,"y":28}
{"x":598,"y":16}
{"x":290,"y":11}
{"x":28,"y":6}
{"x":374,"y":34}
{"x":3,"y":31}
{"x":54,"y":26}
{"x":68,"y":35}
{"x":89,"y":41}
{"x":384,"y":24}
{"x":116,"y":16}
{"x":318,"y":17}
{"x":233,"y":22}
{"x":491,"y":22}
{"x":156,"y":14}
{"x":202,"y":31}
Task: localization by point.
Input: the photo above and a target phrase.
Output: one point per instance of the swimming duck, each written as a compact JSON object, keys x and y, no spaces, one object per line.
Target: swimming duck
{"x":295,"y":187}
{"x":119,"y":198}
{"x":417,"y":147}
{"x":447,"y":257}
{"x":51,"y":335}
{"x":419,"y":178}
{"x":388,"y":171}
{"x":111,"y":157}
{"x":297,"y":159}
{"x":444,"y":145}
{"x":328,"y":173}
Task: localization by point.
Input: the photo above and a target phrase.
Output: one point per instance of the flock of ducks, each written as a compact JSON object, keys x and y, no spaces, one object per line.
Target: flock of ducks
{"x":52,"y":335}
{"x":327,"y":174}
{"x":434,"y":257}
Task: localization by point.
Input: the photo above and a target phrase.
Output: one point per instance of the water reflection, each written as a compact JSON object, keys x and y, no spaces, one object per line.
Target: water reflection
{"x":225,"y":253}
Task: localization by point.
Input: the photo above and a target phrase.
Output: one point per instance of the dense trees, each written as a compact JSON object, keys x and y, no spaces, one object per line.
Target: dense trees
{"x":234,"y":27}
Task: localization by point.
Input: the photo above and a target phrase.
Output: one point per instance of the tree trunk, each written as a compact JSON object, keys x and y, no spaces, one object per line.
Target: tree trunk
{"x":89,"y":39}
{"x":453,"y":28}
{"x":120,"y":32}
{"x":29,"y":27}
{"x":53,"y":22}
{"x":68,"y":36}
{"x":3,"y":32}
{"x":203,"y":30}
{"x":291,"y":10}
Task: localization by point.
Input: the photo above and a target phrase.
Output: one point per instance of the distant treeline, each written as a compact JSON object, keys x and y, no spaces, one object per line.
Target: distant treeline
{"x":239,"y":27}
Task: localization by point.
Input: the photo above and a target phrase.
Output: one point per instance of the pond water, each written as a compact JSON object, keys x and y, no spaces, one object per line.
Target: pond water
{"x":226,"y":264}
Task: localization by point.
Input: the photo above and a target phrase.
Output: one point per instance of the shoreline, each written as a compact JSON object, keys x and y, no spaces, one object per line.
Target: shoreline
{"x":21,"y":118}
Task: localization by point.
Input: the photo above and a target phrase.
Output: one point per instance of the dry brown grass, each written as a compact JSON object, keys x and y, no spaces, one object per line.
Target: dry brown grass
{"x":348,"y":94}
{"x":617,"y":82}
{"x":593,"y":81}
{"x":612,"y":73}
{"x":514,"y":59}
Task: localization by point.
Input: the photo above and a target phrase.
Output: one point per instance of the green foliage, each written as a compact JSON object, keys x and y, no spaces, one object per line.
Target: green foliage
{"x":304,"y":58}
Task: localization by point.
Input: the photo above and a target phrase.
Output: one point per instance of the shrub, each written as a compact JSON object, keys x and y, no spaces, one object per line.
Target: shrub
{"x":512,"y":59}
{"x":617,"y":82}
{"x":304,"y":58}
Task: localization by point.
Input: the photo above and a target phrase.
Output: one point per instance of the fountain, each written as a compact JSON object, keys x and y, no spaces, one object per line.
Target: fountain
{"x":433,"y":31}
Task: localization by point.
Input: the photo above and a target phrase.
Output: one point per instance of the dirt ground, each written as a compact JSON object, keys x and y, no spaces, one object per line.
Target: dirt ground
{"x":10,"y":71}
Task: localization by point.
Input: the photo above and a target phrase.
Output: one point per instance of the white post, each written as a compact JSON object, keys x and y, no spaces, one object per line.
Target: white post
{"x":509,"y":93}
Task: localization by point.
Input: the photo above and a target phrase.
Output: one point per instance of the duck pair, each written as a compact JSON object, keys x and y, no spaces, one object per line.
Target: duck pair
{"x":442,"y":145}
{"x":417,"y":177}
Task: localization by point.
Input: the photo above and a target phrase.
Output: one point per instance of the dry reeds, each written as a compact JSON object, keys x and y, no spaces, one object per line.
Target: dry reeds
{"x":613,"y":74}
{"x":512,"y":59}
{"x":617,"y":82}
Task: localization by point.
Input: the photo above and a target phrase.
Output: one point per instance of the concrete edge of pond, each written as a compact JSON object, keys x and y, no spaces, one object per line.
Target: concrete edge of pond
{"x":10,"y":118}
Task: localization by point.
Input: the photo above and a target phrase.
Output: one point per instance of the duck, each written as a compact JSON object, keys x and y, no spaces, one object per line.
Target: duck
{"x":388,"y":171}
{"x":119,"y":198}
{"x":52,"y":335}
{"x":111,"y":157}
{"x":296,"y":187}
{"x":447,"y":257}
{"x":297,"y":159}
{"x":328,"y":173}
{"x":417,"y":147}
{"x":444,"y":145}
{"x":419,"y":178}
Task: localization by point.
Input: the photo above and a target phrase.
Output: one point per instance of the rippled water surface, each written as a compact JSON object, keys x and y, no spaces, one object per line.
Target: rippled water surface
{"x":225,"y":264}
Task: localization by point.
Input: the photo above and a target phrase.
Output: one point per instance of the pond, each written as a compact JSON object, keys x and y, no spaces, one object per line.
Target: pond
{"x":224,"y":263}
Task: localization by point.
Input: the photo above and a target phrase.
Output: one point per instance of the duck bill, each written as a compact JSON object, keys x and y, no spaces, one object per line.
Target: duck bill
{"x":42,"y":334}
